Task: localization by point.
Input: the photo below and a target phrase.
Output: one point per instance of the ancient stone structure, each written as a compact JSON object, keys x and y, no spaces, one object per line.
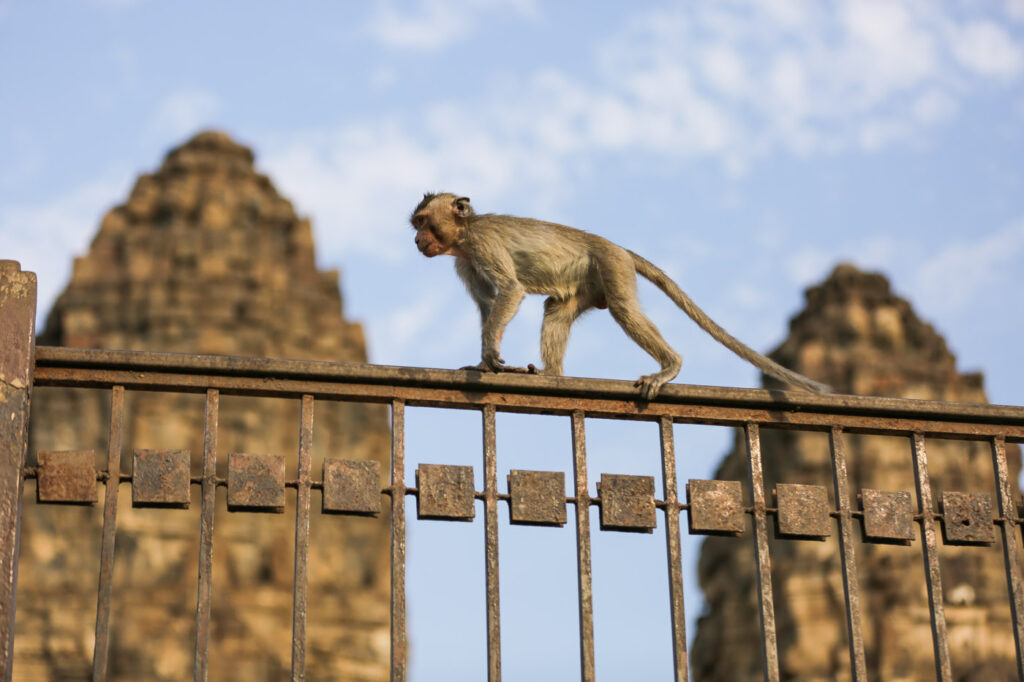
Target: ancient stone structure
{"x":204,"y":257}
{"x":856,"y":335}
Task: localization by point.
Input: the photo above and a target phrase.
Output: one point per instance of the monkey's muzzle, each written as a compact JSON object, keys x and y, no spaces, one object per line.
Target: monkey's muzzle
{"x":428,"y":246}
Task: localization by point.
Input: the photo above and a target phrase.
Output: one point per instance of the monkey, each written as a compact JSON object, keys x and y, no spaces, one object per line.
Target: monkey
{"x":501,"y":258}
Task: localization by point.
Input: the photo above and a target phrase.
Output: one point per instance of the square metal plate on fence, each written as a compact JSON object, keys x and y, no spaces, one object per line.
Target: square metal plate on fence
{"x":445,"y":492}
{"x":537,"y":497}
{"x":161,"y":478}
{"x":803,"y":511}
{"x":255,"y":483}
{"x":888,"y":516}
{"x":67,"y":477}
{"x":351,"y":487}
{"x":627,"y":502}
{"x":967,"y":519}
{"x":715,"y":507}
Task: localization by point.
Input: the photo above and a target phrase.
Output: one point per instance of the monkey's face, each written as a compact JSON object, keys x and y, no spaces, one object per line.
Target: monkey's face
{"x":427,"y":240}
{"x":438,"y":222}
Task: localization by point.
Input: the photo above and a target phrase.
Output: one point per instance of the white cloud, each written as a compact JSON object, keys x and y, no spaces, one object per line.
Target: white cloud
{"x":439,"y":310}
{"x":963,"y":272}
{"x":734,"y":82}
{"x":808,"y":264}
{"x":934,"y":106}
{"x":46,"y":237}
{"x":343,"y":179}
{"x":726,"y":69}
{"x":183,"y":112}
{"x":876,"y":133}
{"x":435,"y":24}
{"x":1015,"y":9}
{"x":789,"y":13}
{"x":987,"y":49}
{"x":400,"y":330}
{"x":360,"y":182}
{"x":886,"y":48}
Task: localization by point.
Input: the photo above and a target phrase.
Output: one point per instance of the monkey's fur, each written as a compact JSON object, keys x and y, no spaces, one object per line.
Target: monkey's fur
{"x":502,"y":258}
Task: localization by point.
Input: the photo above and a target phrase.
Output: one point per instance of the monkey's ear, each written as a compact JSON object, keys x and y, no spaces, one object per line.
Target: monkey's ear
{"x":461,"y":207}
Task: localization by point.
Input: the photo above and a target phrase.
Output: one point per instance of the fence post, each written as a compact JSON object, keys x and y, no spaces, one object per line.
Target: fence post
{"x":17,"y":349}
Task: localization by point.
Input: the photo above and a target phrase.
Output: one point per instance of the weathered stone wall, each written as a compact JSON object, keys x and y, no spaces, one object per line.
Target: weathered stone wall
{"x":856,"y":335}
{"x":204,"y":257}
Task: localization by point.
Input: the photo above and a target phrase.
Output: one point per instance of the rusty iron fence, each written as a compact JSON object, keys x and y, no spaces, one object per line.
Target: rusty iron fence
{"x":626,"y":503}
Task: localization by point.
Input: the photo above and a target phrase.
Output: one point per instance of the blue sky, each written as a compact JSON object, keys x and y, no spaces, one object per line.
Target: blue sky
{"x":745,"y":147}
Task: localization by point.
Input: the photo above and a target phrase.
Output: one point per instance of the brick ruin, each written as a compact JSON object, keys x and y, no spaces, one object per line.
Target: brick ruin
{"x":205,"y":256}
{"x":859,"y":337}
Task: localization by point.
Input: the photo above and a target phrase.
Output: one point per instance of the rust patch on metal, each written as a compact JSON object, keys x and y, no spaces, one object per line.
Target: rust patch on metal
{"x":204,"y":593}
{"x":584,"y":573}
{"x":17,"y":324}
{"x":627,"y":502}
{"x":803,"y":511}
{"x":17,"y":348}
{"x":715,"y":507}
{"x":537,"y":497}
{"x":1005,"y":493}
{"x":967,"y":519}
{"x":67,"y":477}
{"x":848,"y":557}
{"x":445,"y":492}
{"x":399,"y":644}
{"x":161,"y":478}
{"x":351,"y":487}
{"x":255,"y":483}
{"x":888,"y":516}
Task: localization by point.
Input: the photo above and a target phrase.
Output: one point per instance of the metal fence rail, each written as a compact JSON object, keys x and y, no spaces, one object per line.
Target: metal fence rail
{"x":446,"y":492}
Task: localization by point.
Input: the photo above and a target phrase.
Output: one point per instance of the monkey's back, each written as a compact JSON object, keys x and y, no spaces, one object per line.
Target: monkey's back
{"x":548,"y":258}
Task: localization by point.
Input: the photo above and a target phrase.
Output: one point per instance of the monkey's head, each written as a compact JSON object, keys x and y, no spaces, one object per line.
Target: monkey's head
{"x":439,"y":221}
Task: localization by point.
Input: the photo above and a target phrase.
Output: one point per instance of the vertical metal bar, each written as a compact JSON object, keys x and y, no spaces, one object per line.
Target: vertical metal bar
{"x":762,"y":556}
{"x":675,"y":552}
{"x":491,"y":546}
{"x":102,"y":644}
{"x":847,"y":554}
{"x":398,"y":641}
{"x":17,"y":352}
{"x":579,"y":449}
{"x":300,"y":576}
{"x":1011,"y":550}
{"x":204,"y":593}
{"x":933,"y":578}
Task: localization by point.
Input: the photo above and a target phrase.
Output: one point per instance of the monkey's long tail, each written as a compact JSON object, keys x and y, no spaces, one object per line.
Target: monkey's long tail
{"x":767,"y":365}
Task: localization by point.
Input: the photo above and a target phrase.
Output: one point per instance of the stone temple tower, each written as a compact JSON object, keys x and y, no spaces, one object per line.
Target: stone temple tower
{"x":204,"y":257}
{"x":859,"y":337}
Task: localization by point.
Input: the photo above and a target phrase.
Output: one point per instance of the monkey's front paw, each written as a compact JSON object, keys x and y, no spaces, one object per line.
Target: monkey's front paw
{"x":492,"y":361}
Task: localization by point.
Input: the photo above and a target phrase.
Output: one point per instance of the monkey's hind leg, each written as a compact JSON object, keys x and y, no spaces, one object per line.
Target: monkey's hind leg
{"x":559,"y":314}
{"x":620,"y":292}
{"x":646,"y":334}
